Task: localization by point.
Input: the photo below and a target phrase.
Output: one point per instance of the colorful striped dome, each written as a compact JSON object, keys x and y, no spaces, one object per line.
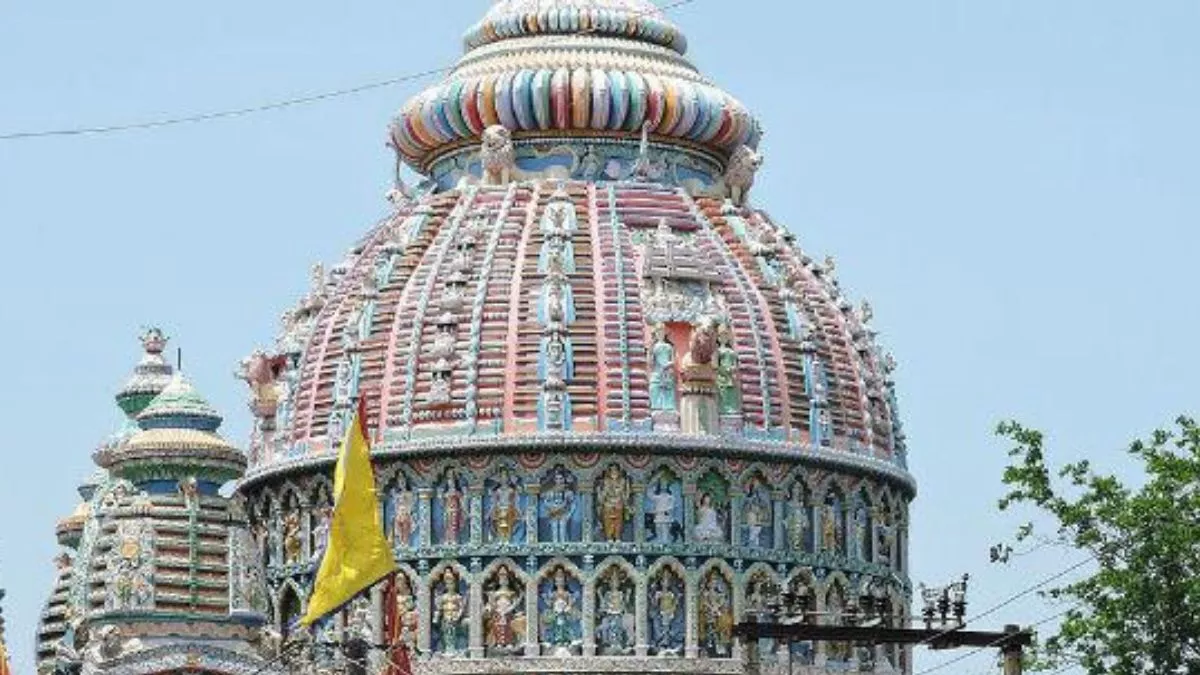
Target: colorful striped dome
{"x":572,"y":71}
{"x":638,"y":19}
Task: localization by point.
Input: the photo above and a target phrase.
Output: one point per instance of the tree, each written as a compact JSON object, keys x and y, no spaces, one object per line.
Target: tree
{"x":1139,"y":612}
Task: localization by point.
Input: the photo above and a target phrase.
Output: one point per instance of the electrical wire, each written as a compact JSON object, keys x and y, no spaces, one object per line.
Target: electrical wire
{"x":284,"y":103}
{"x":1007,"y":601}
{"x":993,"y":643}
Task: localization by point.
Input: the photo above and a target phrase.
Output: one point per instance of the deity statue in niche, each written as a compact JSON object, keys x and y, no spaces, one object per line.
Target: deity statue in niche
{"x":666,"y":600}
{"x":291,"y":538}
{"x":558,"y":507}
{"x":816,"y":381}
{"x":503,"y":615}
{"x":274,"y":536}
{"x":557,"y":301}
{"x":556,"y":245}
{"x":320,"y":531}
{"x":556,"y":356}
{"x":711,"y":518}
{"x":758,"y":604}
{"x":407,"y":620}
{"x":449,"y":614}
{"x":716,"y":616}
{"x":835,"y":610}
{"x":729,"y":393}
{"x":403,"y":511}
{"x":261,"y":542}
{"x":824,"y":427}
{"x":662,"y":371}
{"x":451,"y":500}
{"x":561,"y":633}
{"x":757,"y":514}
{"x":664,"y":514}
{"x":861,"y":527}
{"x":885,"y":537}
{"x":799,"y":519}
{"x":504,"y":507}
{"x":612,"y":503}
{"x":833,"y":525}
{"x":614,"y":625}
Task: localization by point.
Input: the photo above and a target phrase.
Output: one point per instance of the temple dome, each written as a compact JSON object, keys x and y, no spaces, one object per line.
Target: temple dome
{"x":587,"y":74}
{"x":639,"y":19}
{"x":444,"y":315}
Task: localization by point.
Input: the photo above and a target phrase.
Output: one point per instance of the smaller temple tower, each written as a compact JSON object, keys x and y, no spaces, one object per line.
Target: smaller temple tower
{"x":157,"y":574}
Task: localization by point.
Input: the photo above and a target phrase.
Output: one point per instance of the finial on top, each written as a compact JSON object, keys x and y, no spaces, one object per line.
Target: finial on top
{"x":154,"y":341}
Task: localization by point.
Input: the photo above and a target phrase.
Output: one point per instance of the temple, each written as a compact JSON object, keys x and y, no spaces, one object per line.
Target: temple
{"x":615,"y":408}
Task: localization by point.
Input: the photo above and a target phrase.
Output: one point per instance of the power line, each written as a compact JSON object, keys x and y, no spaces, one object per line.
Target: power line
{"x":1008,"y":601}
{"x":975,"y":651}
{"x":281,"y":104}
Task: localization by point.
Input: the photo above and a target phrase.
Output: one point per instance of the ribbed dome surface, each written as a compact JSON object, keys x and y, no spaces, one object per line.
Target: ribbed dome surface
{"x":573,"y":69}
{"x":440,"y":316}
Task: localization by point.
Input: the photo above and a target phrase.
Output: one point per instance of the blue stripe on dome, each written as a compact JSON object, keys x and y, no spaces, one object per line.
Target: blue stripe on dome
{"x":637,"y":101}
{"x":504,"y":101}
{"x":618,"y":99}
{"x":522,"y":103}
{"x":539,"y":96}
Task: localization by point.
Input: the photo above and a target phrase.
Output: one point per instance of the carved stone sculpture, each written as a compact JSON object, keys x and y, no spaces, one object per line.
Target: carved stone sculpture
{"x":739,"y":173}
{"x":497,"y":156}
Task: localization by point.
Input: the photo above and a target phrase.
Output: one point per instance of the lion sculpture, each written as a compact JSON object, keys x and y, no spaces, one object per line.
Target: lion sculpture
{"x":739,"y":173}
{"x":496,"y":155}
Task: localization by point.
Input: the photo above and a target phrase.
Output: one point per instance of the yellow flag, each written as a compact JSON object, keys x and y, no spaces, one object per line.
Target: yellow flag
{"x":357,"y":555}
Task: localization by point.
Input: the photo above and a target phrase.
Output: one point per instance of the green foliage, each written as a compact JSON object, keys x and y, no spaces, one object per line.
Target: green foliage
{"x":1138,"y":613}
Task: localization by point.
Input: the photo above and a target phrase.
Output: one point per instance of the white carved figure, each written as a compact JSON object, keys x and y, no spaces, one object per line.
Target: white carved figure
{"x":496,"y":155}
{"x":739,"y":173}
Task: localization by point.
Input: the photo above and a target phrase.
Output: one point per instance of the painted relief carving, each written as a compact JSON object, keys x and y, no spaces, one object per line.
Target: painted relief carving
{"x":130,"y":568}
{"x":716,"y":615}
{"x":662,"y":371}
{"x":449,"y":512}
{"x":505,"y":508}
{"x":613,"y":505}
{"x":450,"y":605}
{"x":667,"y":609}
{"x":757,"y":518}
{"x":558,"y":519}
{"x":800,"y":519}
{"x":614,"y":616}
{"x":712,"y":504}
{"x":664,"y":508}
{"x":504,"y":614}
{"x":562,"y":632}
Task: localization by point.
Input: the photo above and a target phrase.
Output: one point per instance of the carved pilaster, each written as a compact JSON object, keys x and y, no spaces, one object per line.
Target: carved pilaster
{"x":532,"y":620}
{"x":689,"y":510}
{"x":425,"y":616}
{"x":531,"y":514}
{"x":425,"y":516}
{"x":475,"y":514}
{"x":377,"y":656}
{"x":691,"y":593}
{"x":778,"y":522}
{"x":641,"y":612}
{"x":587,"y":503}
{"x":639,"y":512}
{"x":475,"y":614}
{"x":735,"y":520}
{"x":589,"y":616}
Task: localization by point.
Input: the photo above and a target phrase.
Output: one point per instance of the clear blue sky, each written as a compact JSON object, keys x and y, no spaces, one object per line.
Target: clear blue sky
{"x":1013,"y":184}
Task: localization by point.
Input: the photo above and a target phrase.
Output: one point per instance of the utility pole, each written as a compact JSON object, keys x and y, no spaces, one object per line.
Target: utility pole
{"x":792,"y":620}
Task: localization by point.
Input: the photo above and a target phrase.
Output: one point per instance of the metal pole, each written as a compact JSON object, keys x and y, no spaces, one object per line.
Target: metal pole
{"x":791,"y":657}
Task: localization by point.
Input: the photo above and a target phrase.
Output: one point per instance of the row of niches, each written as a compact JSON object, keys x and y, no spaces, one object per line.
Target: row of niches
{"x":667,"y":609}
{"x":503,"y":506}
